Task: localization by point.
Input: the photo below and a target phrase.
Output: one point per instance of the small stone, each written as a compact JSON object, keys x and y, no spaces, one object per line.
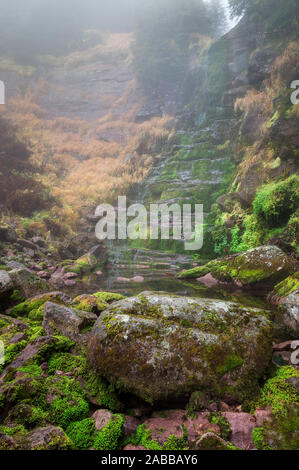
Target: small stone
{"x":101,"y":418}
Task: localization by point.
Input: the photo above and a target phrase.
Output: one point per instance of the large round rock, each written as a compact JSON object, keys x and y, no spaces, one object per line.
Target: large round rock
{"x":162,"y":347}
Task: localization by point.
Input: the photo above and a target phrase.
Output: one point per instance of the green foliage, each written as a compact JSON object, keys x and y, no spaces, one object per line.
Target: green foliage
{"x":275,"y":13}
{"x":276,"y":202}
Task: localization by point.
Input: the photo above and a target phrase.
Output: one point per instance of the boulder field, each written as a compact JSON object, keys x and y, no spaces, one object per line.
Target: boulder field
{"x":154,"y":371}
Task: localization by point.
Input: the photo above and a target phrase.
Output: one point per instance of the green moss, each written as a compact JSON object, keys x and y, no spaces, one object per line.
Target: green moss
{"x":223,"y":423}
{"x":195,"y":272}
{"x":143,"y":437}
{"x":288,"y":285}
{"x":232,"y":362}
{"x":65,"y":362}
{"x":90,"y":303}
{"x":259,"y":439}
{"x":69,"y":403}
{"x":25,"y":308}
{"x":278,"y":393}
{"x":98,"y":388}
{"x":82,"y":433}
{"x":108,"y":297}
{"x":28,"y":415}
{"x":16,"y":296}
{"x":276,"y":202}
{"x":109,"y":437}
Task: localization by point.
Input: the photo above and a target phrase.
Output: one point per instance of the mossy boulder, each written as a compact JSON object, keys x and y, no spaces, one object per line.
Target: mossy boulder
{"x":265,"y":264}
{"x":289,"y":313}
{"x":27,"y":283}
{"x":160,"y":347}
{"x":67,"y":321}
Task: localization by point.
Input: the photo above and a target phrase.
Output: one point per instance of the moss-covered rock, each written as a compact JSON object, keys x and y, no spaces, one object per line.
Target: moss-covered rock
{"x":265,"y":264}
{"x":161,"y":346}
{"x":288,"y":285}
{"x":90,"y":303}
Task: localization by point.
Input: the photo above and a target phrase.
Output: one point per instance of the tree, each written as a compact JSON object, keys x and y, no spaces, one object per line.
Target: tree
{"x":275,"y":12}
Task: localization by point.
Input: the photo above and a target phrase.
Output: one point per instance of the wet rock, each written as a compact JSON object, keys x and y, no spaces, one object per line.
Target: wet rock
{"x":162,"y":346}
{"x":43,"y":274}
{"x":39,"y":241}
{"x":138,"y":279}
{"x":69,"y":322}
{"x":69,"y":283}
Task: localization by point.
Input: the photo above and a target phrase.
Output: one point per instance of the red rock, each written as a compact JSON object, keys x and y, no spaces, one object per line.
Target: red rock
{"x":130,"y":425}
{"x":69,"y":283}
{"x":70,"y":275}
{"x":242,"y":425}
{"x":123,"y":279}
{"x":162,"y":425}
{"x":131,"y":447}
{"x":101,"y":418}
{"x":43,"y":274}
{"x":224,"y":406}
{"x":99,"y":273}
{"x":262,"y":416}
{"x":138,"y":279}
{"x":213,"y":407}
{"x":285,"y":346}
{"x":208,"y":280}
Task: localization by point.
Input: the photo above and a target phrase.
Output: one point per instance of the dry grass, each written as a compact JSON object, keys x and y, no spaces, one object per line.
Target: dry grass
{"x":81,"y":168}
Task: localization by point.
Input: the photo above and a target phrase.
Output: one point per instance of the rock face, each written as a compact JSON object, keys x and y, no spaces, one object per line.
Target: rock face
{"x":162,"y":347}
{"x":265,"y":264}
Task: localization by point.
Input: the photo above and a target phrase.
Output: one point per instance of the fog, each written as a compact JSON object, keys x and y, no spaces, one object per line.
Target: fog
{"x":33,"y":27}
